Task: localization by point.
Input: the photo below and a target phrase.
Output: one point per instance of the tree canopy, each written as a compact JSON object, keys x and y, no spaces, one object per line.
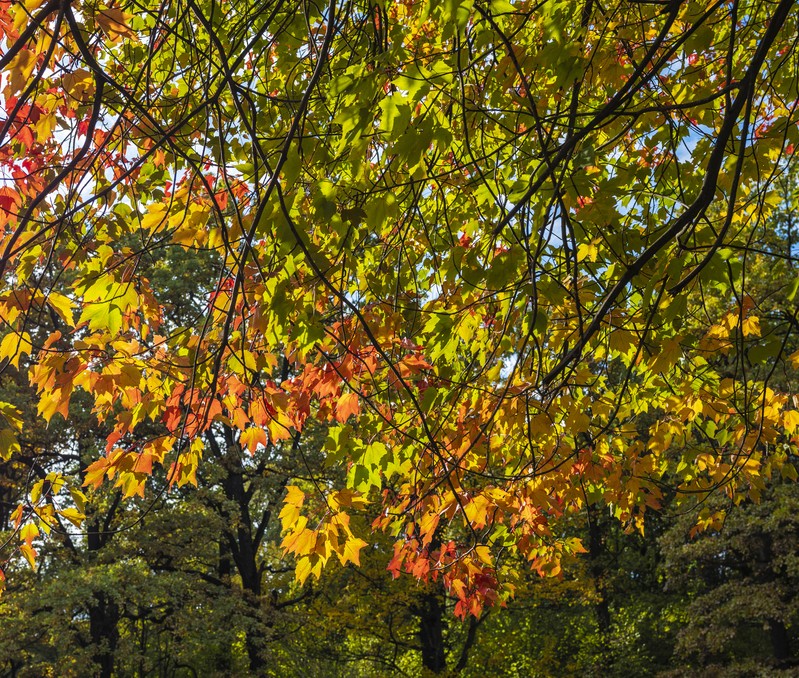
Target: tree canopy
{"x":507,"y":263}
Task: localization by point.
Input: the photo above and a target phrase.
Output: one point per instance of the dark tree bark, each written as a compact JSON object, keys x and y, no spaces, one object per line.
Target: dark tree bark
{"x":780,"y":641}
{"x":103,"y":610}
{"x":104,"y":631}
{"x":431,"y":632}
{"x":596,"y":554}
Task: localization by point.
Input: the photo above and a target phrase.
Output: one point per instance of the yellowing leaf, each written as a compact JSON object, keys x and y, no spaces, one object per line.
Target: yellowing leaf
{"x":8,"y":444}
{"x":484,"y":554}
{"x":352,"y":551}
{"x":20,"y":69}
{"x":14,"y":346}
{"x":587,"y":252}
{"x":751,"y":326}
{"x":28,"y":532}
{"x":62,"y":305}
{"x":102,"y":316}
{"x":114,"y":23}
{"x":349,"y":498}
{"x":252,"y":437}
{"x":294,"y":496}
{"x":79,"y":498}
{"x":30,"y":554}
{"x":73,"y":516}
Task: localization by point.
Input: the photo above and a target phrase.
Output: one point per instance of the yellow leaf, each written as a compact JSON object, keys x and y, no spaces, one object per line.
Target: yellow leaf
{"x":79,"y":498}
{"x":30,"y":554}
{"x":302,"y":570}
{"x":8,"y":444}
{"x":155,"y":218}
{"x":61,"y":305}
{"x":294,"y":496}
{"x":791,"y":420}
{"x":427,"y":527}
{"x":56,"y":481}
{"x":751,"y":326}
{"x":347,"y":497}
{"x":95,"y":472}
{"x":788,"y":471}
{"x":16,"y":516}
{"x":13,"y":346}
{"x":20,"y":69}
{"x":484,"y":554}
{"x":252,"y":438}
{"x":36,"y":491}
{"x":289,"y":515}
{"x":587,"y":251}
{"x":55,"y":401}
{"x":477,"y":511}
{"x":352,"y":551}
{"x":12,"y":415}
{"x":301,"y":540}
{"x":28,"y":532}
{"x":79,"y":84}
{"x":73,"y":516}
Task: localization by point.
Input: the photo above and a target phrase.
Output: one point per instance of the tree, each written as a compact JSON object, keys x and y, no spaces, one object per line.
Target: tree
{"x":741,"y":586}
{"x":475,"y":239}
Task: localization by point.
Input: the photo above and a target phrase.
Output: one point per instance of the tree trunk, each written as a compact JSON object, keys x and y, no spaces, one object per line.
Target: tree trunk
{"x":431,"y":632}
{"x":103,"y":610}
{"x":780,"y":643}
{"x":243,"y":548}
{"x":596,"y":551}
{"x":104,"y":630}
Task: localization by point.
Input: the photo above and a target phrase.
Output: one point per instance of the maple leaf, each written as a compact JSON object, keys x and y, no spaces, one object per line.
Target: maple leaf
{"x":352,"y":551}
{"x":28,"y":533}
{"x":751,"y":326}
{"x":252,"y":438}
{"x":20,"y":69}
{"x":348,"y":405}
{"x":408,"y":261}
{"x":74,"y":516}
{"x":114,"y":23}
{"x":95,"y":472}
{"x":301,"y":541}
{"x":29,"y":553}
{"x":14,"y":346}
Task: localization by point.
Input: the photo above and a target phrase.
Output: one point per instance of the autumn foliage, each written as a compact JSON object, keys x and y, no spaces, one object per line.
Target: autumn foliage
{"x":501,"y":254}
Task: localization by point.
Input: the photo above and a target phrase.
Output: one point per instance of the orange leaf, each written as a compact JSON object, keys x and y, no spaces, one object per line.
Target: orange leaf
{"x":348,"y":404}
{"x":144,"y":463}
{"x":95,"y":472}
{"x":253,"y":437}
{"x":113,"y":23}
